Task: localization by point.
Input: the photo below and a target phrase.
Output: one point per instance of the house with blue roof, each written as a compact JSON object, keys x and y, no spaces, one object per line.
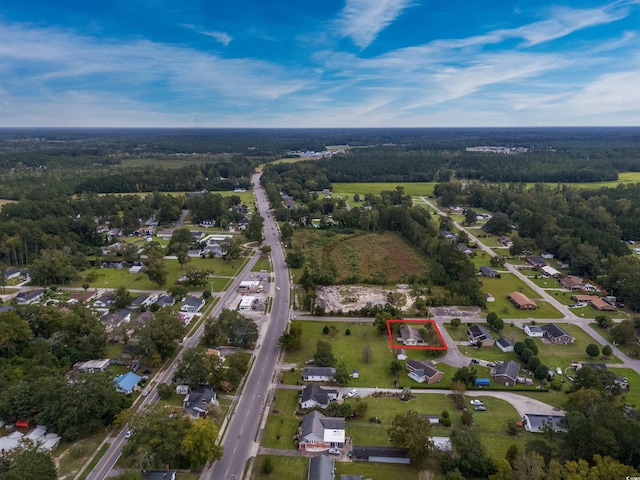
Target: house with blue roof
{"x":126,"y":382}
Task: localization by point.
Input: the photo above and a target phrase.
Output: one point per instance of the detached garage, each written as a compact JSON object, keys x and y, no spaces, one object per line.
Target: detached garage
{"x":380,"y":455}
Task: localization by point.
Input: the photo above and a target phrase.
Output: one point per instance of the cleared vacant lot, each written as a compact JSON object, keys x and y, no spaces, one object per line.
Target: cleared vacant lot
{"x":503,"y":286}
{"x":362,"y":256}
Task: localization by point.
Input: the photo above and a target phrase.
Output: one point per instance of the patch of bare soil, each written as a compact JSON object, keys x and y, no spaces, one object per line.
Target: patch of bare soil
{"x":348,"y":298}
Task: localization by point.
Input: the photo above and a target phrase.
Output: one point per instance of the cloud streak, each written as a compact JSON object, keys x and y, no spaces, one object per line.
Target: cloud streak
{"x":363,"y":20}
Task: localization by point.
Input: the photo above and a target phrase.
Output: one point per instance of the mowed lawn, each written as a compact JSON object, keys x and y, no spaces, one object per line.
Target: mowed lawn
{"x":120,"y":277}
{"x":348,"y":349}
{"x":282,"y":423}
{"x":410,"y":188}
{"x":499,"y":288}
{"x":364,"y":255}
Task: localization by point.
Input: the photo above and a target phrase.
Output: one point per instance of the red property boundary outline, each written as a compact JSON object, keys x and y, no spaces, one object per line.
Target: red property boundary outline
{"x":417,"y":347}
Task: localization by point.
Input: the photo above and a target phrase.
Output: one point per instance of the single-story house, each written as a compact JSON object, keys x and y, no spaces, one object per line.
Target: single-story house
{"x":423,"y":371}
{"x":488,"y":272}
{"x":477,"y":333}
{"x":313,"y":395}
{"x":126,"y":382}
{"x":505,"y":344}
{"x":533,"y":331}
{"x":537,"y":262}
{"x":536,"y":423}
{"x":448,"y":235}
{"x":197,"y":402}
{"x":556,"y":334}
{"x":320,"y":468}
{"x":550,"y":271}
{"x":144,"y":318}
{"x":30,"y":296}
{"x":159,"y":474}
{"x":572,"y":283}
{"x":505,"y":242}
{"x":93,"y":366}
{"x":82,"y":298}
{"x":318,"y":374}
{"x":139,"y":301}
{"x":546,"y":255}
{"x":595,"y":301}
{"x":192,"y":304}
{"x":409,"y":335}
{"x":465,"y":249}
{"x":521,"y":301}
{"x":114,"y":320}
{"x":401,"y":354}
{"x":11,"y":273}
{"x":506,"y":372}
{"x":165,"y":301}
{"x":381,"y":455}
{"x":319,"y":432}
{"x":105,"y":300}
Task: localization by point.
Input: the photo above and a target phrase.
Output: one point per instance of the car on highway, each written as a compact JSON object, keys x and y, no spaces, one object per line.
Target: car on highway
{"x":145,"y":393}
{"x":480,"y":408}
{"x":128,"y":434}
{"x":476,"y":402}
{"x":334,"y":451}
{"x":278,"y":288}
{"x":352,"y":393}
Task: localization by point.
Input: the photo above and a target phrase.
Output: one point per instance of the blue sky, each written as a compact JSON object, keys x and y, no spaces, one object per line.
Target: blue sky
{"x":320,"y":63}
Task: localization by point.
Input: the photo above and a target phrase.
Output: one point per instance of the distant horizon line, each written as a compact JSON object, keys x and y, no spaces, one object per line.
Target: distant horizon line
{"x":538,"y":127}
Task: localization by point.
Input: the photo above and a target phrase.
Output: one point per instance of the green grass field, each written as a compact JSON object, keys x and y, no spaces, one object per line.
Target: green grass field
{"x":289,"y":468}
{"x":262,"y":264}
{"x":501,"y":287}
{"x":282,"y":423}
{"x":410,"y":188}
{"x":385,"y":257}
{"x":115,"y":278}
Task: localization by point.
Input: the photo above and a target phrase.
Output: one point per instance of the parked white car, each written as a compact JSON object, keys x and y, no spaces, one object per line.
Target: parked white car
{"x":476,"y":402}
{"x":352,"y":393}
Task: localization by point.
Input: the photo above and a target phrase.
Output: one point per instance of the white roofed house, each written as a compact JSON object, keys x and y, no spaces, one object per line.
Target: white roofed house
{"x":318,"y":374}
{"x":319,"y":432}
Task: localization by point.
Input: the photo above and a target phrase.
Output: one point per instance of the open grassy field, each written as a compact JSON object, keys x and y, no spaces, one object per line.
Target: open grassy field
{"x":348,"y":349}
{"x":631,"y":349}
{"x":501,"y":287}
{"x":381,"y":471}
{"x":366,"y":255}
{"x":281,"y":422}
{"x":290,"y":468}
{"x":115,"y":278}
{"x":410,"y":188}
{"x":262,"y":264}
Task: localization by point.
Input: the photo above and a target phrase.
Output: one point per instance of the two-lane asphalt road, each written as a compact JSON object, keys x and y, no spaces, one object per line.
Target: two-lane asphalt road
{"x":239,"y":438}
{"x":109,"y":459}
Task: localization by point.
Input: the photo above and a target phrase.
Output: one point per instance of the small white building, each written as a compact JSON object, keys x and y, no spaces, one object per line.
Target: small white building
{"x":247,"y":303}
{"x":533,"y":331}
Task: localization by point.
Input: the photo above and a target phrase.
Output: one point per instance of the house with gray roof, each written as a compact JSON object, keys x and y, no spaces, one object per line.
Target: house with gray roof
{"x":318,"y":374}
{"x":423,"y":371}
{"x":505,"y":344}
{"x":192,"y":304}
{"x":320,"y":468}
{"x":488,"y":272}
{"x":477,"y":333}
{"x":409,"y":335}
{"x":139,"y":301}
{"x":556,"y":334}
{"x":319,"y":432}
{"x":313,"y":395}
{"x":30,"y":296}
{"x":198,"y":401}
{"x":506,"y":372}
{"x":537,"y":423}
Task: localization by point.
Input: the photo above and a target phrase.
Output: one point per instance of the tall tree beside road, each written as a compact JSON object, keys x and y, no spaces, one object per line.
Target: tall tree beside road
{"x":161,"y":335}
{"x":412,"y":432}
{"x":26,"y":463}
{"x":199,"y":444}
{"x":254,"y":228}
{"x":291,"y":340}
{"x":156,"y":439}
{"x":122,"y":298}
{"x":230,"y":328}
{"x":155,"y":267}
{"x":197,"y":367}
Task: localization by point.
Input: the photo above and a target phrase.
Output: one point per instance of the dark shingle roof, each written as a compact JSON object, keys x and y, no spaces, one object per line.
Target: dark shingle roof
{"x":554,"y":330}
{"x":320,"y":468}
{"x":509,"y":369}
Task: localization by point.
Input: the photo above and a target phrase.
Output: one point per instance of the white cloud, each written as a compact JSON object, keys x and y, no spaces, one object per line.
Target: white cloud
{"x":222,"y":37}
{"x":362,"y":20}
